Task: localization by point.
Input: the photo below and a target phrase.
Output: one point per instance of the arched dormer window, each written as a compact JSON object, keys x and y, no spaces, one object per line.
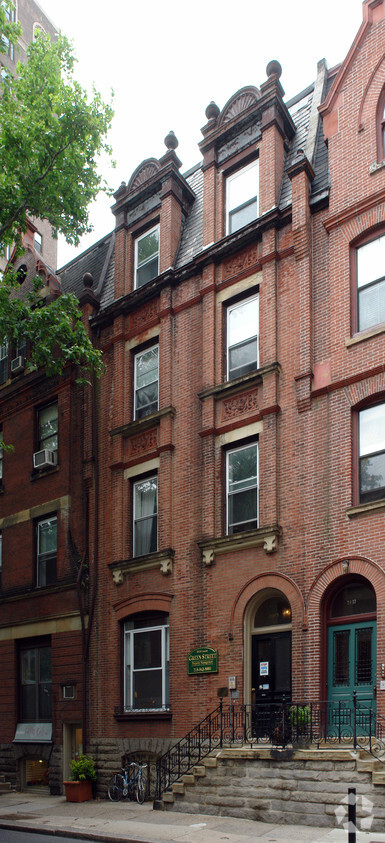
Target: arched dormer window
{"x":381,"y":127}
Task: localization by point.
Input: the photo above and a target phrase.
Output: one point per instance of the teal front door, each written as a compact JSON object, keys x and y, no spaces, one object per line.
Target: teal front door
{"x":351,"y":667}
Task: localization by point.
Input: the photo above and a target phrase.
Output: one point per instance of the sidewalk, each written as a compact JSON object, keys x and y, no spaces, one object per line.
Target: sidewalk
{"x":127,"y":821}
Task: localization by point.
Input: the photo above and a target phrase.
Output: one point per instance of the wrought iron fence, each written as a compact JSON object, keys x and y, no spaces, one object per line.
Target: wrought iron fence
{"x":353,"y":723}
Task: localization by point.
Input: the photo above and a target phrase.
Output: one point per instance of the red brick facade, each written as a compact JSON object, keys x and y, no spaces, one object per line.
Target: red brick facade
{"x":161,"y":473}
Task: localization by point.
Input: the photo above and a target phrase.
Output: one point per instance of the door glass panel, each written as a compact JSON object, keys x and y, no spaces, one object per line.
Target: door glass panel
{"x":354,"y":599}
{"x":341,"y":658}
{"x":282,"y":666}
{"x":363,"y":659}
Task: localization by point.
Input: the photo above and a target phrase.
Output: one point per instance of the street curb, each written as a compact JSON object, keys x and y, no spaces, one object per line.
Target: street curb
{"x":59,"y":832}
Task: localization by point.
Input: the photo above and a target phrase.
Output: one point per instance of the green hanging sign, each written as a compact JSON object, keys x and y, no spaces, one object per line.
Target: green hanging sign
{"x":202,"y":660}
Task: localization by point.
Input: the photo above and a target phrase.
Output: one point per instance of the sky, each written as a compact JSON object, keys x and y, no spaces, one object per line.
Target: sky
{"x":166,"y":61}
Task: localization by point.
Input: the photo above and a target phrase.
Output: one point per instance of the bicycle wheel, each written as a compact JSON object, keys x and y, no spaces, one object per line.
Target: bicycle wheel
{"x":116,"y":787}
{"x":140,"y":791}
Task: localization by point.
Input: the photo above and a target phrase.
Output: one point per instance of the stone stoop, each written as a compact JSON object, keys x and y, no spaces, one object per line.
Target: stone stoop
{"x":304,"y":787}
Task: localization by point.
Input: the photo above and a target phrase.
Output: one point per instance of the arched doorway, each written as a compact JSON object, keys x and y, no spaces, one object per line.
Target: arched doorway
{"x":351,"y":642}
{"x":268,"y":654}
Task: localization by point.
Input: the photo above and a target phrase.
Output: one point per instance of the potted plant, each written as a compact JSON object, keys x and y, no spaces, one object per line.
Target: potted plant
{"x":299,"y":716}
{"x":83,"y":774}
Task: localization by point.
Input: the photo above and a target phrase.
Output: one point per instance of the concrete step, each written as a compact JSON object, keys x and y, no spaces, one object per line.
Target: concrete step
{"x":199,"y":771}
{"x":378,"y":777}
{"x":178,"y":787}
{"x":167,"y":796}
{"x":210,"y":761}
{"x":188,"y":778}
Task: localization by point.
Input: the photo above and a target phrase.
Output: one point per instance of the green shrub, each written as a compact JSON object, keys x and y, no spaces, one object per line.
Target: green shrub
{"x":82,"y":769}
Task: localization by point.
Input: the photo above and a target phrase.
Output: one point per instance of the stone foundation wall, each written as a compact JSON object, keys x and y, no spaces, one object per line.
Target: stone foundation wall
{"x":304,"y":791}
{"x":110,"y":755}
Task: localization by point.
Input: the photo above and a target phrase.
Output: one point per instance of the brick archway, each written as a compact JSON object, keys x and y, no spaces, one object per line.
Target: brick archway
{"x":315,"y":620}
{"x":241,"y":611}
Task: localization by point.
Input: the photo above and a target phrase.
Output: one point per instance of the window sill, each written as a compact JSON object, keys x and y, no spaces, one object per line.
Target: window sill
{"x":163,"y":560}
{"x":37,"y":473}
{"x":377,"y":165}
{"x":148,"y":714}
{"x":365,"y":335}
{"x":137,"y":426}
{"x":266,"y":536}
{"x":228,"y":387}
{"x":361,"y":509}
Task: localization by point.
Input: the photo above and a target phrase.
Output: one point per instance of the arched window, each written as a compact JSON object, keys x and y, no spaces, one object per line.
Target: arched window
{"x":381,"y":127}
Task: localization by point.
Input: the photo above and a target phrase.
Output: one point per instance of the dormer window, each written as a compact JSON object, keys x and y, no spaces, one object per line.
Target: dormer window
{"x":242,"y":197}
{"x":147,"y":257}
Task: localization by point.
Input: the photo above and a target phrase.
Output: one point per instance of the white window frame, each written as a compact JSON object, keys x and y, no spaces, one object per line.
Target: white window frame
{"x":137,"y":520}
{"x":40,"y":438}
{"x":137,"y":241}
{"x":156,"y":380}
{"x":42,"y":556}
{"x":4,"y":349}
{"x":367,"y":283}
{"x":129,"y":668}
{"x":230,"y":180}
{"x":373,"y":449}
{"x":253,"y":485}
{"x":230,"y":310}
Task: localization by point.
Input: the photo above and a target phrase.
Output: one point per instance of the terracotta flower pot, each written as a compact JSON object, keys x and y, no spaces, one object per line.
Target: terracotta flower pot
{"x":78,"y":791}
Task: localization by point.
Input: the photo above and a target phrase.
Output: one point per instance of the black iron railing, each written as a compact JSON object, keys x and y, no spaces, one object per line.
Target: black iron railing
{"x":352,"y":723}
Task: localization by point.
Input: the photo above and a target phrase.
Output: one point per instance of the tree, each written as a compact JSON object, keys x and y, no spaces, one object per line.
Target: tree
{"x":51,"y":137}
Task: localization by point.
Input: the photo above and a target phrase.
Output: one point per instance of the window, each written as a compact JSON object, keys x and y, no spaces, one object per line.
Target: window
{"x":371,"y":283}
{"x":36,"y":684}
{"x":146,"y":516}
{"x":37,"y":241}
{"x":146,"y":659}
{"x":371,"y":423}
{"x":46,"y":551}
{"x":242,"y":197}
{"x":3,"y":362}
{"x":147,"y":257}
{"x":146,"y":382}
{"x":242,"y":489}
{"x":48,"y":428}
{"x":242,"y":337}
{"x":10,"y":14}
{"x":381,"y":127}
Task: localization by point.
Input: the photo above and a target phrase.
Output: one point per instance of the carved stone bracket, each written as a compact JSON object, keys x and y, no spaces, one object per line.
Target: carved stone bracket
{"x":266,"y":537}
{"x":163,"y":560}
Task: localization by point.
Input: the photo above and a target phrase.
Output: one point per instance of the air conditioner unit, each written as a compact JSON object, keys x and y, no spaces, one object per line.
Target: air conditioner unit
{"x":44,"y":459}
{"x":17,"y":365}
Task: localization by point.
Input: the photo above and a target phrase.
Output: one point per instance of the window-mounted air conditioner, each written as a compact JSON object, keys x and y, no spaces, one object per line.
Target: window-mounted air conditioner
{"x":17,"y":365}
{"x":44,"y":458}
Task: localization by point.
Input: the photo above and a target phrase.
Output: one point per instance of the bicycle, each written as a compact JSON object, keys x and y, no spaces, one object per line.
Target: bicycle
{"x":120,"y":785}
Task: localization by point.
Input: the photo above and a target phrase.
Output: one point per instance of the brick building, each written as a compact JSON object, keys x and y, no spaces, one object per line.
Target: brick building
{"x":233,"y":453}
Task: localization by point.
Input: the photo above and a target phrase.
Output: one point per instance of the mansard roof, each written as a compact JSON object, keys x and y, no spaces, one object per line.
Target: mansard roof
{"x":302,"y":110}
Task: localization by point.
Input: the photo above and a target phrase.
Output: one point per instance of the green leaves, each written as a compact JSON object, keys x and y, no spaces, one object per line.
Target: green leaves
{"x":51,"y":136}
{"x":55,"y":332}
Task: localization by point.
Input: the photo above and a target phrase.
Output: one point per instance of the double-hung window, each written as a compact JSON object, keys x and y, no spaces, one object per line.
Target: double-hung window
{"x":242,"y":337}
{"x":146,"y":661}
{"x":147,"y":257}
{"x":371,"y":283}
{"x":3,"y":362}
{"x":46,"y":539}
{"x":242,"y":197}
{"x":35,"y":684}
{"x":146,"y":382}
{"x":371,"y":424}
{"x":242,"y":488}
{"x":145,"y":493}
{"x":48,"y":428}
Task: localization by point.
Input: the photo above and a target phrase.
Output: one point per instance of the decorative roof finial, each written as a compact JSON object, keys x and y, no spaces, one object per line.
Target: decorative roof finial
{"x":273,"y":68}
{"x":88,"y":279}
{"x":212,"y":111}
{"x":171,"y":140}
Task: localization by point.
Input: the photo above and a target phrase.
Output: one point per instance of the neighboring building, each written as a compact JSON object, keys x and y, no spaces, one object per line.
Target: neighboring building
{"x":232,"y":493}
{"x":32,"y":19}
